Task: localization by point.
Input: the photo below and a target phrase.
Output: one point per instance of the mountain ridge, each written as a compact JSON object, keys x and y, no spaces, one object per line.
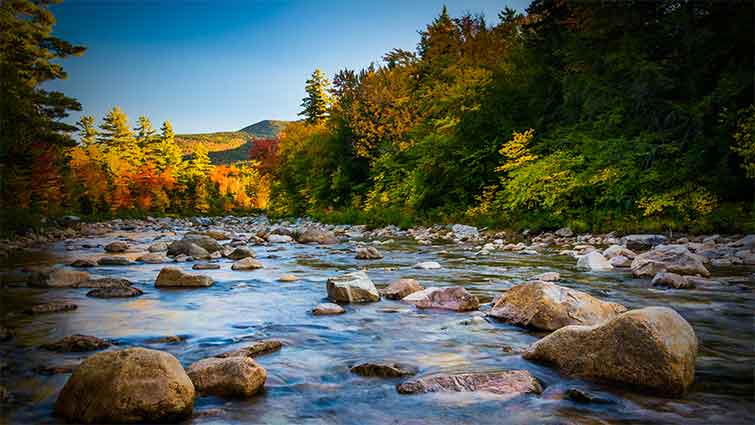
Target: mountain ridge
{"x":227,"y":147}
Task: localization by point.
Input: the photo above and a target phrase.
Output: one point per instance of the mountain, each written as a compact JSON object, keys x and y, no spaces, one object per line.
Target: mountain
{"x":266,"y":129}
{"x":227,"y":147}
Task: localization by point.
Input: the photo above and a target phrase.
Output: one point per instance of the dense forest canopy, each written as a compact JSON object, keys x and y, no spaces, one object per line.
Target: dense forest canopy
{"x":598,"y":115}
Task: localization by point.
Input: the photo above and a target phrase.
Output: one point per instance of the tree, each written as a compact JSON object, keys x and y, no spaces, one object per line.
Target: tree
{"x":145,"y":134}
{"x":318,"y":100}
{"x":87,"y":132}
{"x":30,"y":117}
{"x":118,"y":137}
{"x":167,"y":154}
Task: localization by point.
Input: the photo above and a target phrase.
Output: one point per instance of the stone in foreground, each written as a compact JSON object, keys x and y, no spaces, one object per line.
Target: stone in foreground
{"x":171,"y":277}
{"x":547,"y":306}
{"x":257,"y":349}
{"x":653,"y":347}
{"x":233,"y":377}
{"x":135,"y":385}
{"x":380,"y":370}
{"x":355,"y":287}
{"x":453,"y":298}
{"x":510,"y":383}
{"x":247,"y":263}
{"x":327,"y":309}
{"x":401,"y":289}
{"x":77,"y":344}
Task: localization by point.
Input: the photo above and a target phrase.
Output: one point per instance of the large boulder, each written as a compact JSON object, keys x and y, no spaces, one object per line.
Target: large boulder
{"x":58,"y":278}
{"x":187,"y":247}
{"x":153,"y":258}
{"x":652,"y":347}
{"x":158,"y":247}
{"x":172,"y":277}
{"x":238,"y":376}
{"x":317,"y":235}
{"x":355,"y":287}
{"x":642,"y":242}
{"x":247,"y":263}
{"x":401,"y":289}
{"x":206,"y":242}
{"x":547,"y":306}
{"x":594,"y":261}
{"x":453,"y":298}
{"x":464,"y":232}
{"x":617,"y":250}
{"x":510,"y":383}
{"x":241,"y":253}
{"x":668,"y":258}
{"x":127,"y":386}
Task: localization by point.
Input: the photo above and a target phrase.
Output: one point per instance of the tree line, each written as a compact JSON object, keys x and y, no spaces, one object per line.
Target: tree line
{"x":598,"y":115}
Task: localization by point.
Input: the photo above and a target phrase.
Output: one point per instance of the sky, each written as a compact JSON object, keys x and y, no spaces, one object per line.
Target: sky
{"x":221,"y":65}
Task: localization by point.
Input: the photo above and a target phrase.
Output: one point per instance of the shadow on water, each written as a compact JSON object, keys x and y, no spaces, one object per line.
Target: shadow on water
{"x":309,"y":379}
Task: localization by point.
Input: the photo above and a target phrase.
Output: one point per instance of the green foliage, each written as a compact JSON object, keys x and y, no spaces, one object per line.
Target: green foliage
{"x":317,"y":103}
{"x":266,"y":129}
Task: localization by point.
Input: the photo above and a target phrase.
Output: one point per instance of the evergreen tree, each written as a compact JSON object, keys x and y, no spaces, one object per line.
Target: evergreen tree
{"x":200,"y":163}
{"x":118,"y":137}
{"x":29,"y":116}
{"x":318,"y":100}
{"x":145,"y":133}
{"x":167,"y":154}
{"x":87,"y":132}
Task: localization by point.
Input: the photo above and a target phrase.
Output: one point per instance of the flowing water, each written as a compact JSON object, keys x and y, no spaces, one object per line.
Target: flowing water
{"x":309,"y":381}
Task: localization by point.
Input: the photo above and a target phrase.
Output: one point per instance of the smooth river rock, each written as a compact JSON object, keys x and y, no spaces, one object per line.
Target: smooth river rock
{"x":77,"y":344}
{"x":668,"y":258}
{"x":547,"y":306}
{"x":187,"y":247}
{"x":241,"y":253}
{"x":135,"y":385}
{"x":247,"y":263}
{"x":117,"y":246}
{"x":368,"y":253}
{"x":453,"y":298}
{"x":652,"y":347}
{"x":510,"y":383}
{"x":594,"y":261}
{"x":175,"y":277}
{"x":381,"y":370}
{"x":355,"y":287}
{"x":672,"y":280}
{"x":115,"y":292}
{"x":317,"y":235}
{"x":51,"y":307}
{"x":401,"y":289}
{"x":58,"y":278}
{"x":327,"y":309}
{"x":256,"y":349}
{"x":233,"y":377}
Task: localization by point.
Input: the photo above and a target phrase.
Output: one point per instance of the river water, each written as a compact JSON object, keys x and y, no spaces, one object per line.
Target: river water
{"x":309,"y":381}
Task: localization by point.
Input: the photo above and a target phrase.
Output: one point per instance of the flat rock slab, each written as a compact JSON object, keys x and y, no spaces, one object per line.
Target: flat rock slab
{"x":257,"y":349}
{"x":171,"y":277}
{"x":453,"y":298}
{"x":381,"y":370}
{"x":245,"y":264}
{"x":510,"y":383}
{"x":53,"y":307}
{"x":206,"y":266}
{"x":114,"y":261}
{"x":105,"y":282}
{"x":115,"y":292}
{"x":77,"y":344}
{"x":327,"y":309}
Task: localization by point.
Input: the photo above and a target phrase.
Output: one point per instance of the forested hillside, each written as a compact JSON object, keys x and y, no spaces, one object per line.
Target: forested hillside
{"x":602,"y":115}
{"x":229,"y":147}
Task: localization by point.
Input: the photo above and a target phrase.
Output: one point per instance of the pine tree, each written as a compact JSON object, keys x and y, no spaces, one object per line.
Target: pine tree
{"x":200,"y":163}
{"x":118,"y":137}
{"x":167,"y":154}
{"x":87,"y":132}
{"x":145,"y":133}
{"x":318,"y":100}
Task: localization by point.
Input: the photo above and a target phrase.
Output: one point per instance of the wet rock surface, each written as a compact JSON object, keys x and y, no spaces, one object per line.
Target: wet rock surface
{"x":77,"y":344}
{"x":510,"y":383}
{"x":232,"y":377}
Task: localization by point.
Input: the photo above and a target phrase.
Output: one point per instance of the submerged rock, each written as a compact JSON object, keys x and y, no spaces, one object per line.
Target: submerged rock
{"x":381,"y":370}
{"x":114,"y":261}
{"x":355,"y":287}
{"x":174,"y":277}
{"x":547,"y":277}
{"x":669,"y":258}
{"x":546,"y":306}
{"x":428,"y":265}
{"x":672,"y":280}
{"x":401,"y":289}
{"x":509,"y":383}
{"x":76,"y":344}
{"x":326,"y":309}
{"x":594,"y":261}
{"x":52,"y":307}
{"x":127,"y":386}
{"x":368,"y":253}
{"x":257,"y":349}
{"x":288,"y":278}
{"x":227,"y":377}
{"x":453,"y":298}
{"x":105,"y":282}
{"x":248,"y":263}
{"x":652,"y":347}
{"x":115,"y":292}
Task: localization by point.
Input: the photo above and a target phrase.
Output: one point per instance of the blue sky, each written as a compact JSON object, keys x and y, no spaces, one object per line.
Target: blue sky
{"x":222,"y":65}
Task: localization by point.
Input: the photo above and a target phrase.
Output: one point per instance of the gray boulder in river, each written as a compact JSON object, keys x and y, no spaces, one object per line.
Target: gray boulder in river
{"x":355,"y":287}
{"x":547,"y":306}
{"x":135,"y":385}
{"x":237,"y":376}
{"x":668,"y":258}
{"x":652,"y":347}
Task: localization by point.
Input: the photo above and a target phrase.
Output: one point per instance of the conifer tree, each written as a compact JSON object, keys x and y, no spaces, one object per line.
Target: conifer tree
{"x":318,"y":100}
{"x":87,"y":131}
{"x":118,"y":137}
{"x":200,"y":163}
{"x":145,"y":133}
{"x":167,"y":154}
